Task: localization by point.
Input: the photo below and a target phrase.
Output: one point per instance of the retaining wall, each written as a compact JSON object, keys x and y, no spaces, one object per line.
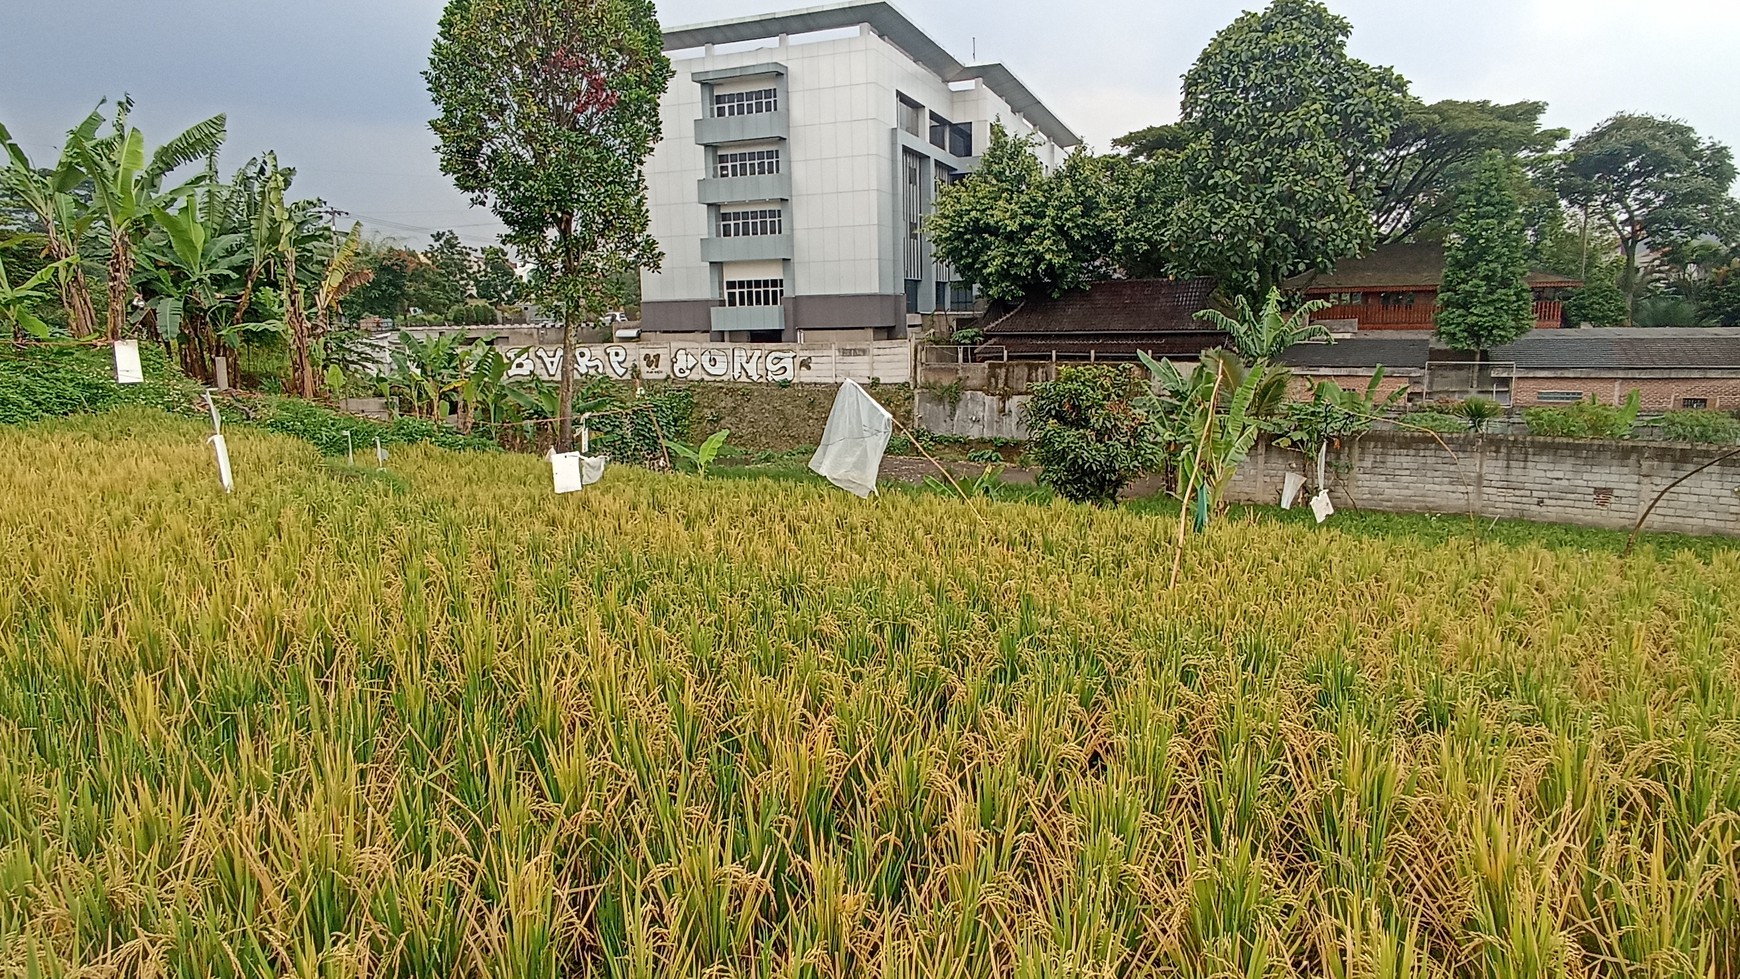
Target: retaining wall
{"x":1588,"y":483}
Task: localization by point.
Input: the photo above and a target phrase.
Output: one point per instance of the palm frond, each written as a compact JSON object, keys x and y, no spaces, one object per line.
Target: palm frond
{"x":197,"y":142}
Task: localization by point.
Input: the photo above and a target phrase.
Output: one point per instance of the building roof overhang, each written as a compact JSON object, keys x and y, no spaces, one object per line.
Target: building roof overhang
{"x":884,"y":18}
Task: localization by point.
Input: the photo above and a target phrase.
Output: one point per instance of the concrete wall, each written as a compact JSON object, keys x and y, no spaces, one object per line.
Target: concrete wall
{"x":1594,"y":484}
{"x":971,"y":414}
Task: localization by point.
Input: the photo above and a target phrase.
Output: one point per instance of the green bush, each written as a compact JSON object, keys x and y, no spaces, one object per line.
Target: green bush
{"x":473,"y":314}
{"x":51,"y":382}
{"x":989,"y":457}
{"x":324,"y":428}
{"x":633,"y":437}
{"x":1088,"y":435}
{"x":1585,"y":420}
{"x":1700,"y":425}
{"x":1435,"y":421}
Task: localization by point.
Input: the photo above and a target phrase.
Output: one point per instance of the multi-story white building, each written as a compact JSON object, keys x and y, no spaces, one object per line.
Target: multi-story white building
{"x":801,"y":152}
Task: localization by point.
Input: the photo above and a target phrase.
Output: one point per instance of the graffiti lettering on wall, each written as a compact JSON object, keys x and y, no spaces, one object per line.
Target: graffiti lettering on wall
{"x":699,"y":363}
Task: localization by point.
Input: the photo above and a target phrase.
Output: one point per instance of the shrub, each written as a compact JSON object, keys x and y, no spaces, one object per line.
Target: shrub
{"x":51,"y":382}
{"x":1088,"y":435}
{"x":324,"y":428}
{"x":1585,"y":420}
{"x":634,"y":437}
{"x":473,"y":314}
{"x":1700,"y":425}
{"x":1434,"y":421}
{"x":989,"y":457}
{"x":1478,"y":412}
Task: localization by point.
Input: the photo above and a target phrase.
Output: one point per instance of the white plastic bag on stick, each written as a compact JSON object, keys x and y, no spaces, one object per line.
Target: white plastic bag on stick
{"x":1321,"y":507}
{"x":591,"y":469}
{"x":222,"y":449}
{"x":1290,"y":490}
{"x":565,"y":468}
{"x":127,"y":368}
{"x":857,"y":434}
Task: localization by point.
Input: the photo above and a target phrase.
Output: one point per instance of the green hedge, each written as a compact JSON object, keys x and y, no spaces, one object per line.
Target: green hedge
{"x":53,"y":382}
{"x":1700,"y":425}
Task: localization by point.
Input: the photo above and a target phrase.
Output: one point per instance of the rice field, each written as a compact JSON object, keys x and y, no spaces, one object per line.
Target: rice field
{"x":438,"y":722}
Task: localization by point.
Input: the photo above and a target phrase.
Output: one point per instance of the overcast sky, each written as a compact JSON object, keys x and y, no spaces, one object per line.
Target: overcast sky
{"x":333,"y":85}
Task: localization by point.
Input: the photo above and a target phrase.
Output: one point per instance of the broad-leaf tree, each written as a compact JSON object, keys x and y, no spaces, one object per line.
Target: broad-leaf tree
{"x":194,"y":271}
{"x":1597,"y":302}
{"x":1438,"y":148}
{"x":498,"y":280}
{"x":987,"y":226}
{"x":549,"y":109}
{"x":127,"y":186}
{"x":1485,"y":300}
{"x":1017,"y":232}
{"x":1282,"y":121}
{"x":1653,"y":183}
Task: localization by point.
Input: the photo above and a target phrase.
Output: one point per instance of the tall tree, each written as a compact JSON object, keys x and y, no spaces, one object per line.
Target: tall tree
{"x":1652,"y":183}
{"x":985,"y":225}
{"x":1438,"y":148}
{"x":498,"y":281}
{"x":128,"y":187}
{"x":1017,"y":232}
{"x":1485,"y":299}
{"x":1282,"y":122}
{"x":549,"y":109}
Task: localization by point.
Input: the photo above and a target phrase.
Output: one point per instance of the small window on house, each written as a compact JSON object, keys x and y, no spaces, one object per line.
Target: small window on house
{"x":746,"y":103}
{"x":1397,"y":300}
{"x":1346,"y":299}
{"x":754,"y":292}
{"x":747,"y":224}
{"x":1559,"y":397}
{"x":748,"y":163}
{"x":1694,"y":403}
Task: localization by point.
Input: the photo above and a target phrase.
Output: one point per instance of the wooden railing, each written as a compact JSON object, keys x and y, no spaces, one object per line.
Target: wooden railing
{"x":1372,"y":316}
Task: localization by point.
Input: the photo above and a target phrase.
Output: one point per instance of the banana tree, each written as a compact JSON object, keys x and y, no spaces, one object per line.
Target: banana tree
{"x":1266,"y":335}
{"x":1211,"y":418}
{"x":344,"y":274}
{"x":18,"y":301}
{"x":127,"y":188}
{"x":192,"y":274}
{"x":51,"y":196}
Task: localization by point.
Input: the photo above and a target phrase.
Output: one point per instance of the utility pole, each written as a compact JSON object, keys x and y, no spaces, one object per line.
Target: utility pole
{"x":332,"y":214}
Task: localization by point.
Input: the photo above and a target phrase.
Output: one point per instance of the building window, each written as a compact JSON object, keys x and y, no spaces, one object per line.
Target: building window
{"x":1346,"y":298}
{"x":748,"y":163}
{"x":1694,"y":403}
{"x":1559,"y":397}
{"x":961,"y":139}
{"x":1397,"y":300}
{"x":746,"y":103}
{"x":910,"y":115}
{"x":914,"y":206}
{"x":939,"y":131}
{"x":746,"y":224}
{"x":754,"y":292}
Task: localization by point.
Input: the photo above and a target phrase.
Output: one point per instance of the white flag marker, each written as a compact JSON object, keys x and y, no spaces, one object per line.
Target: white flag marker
{"x":220,"y":447}
{"x":1290,"y":491}
{"x":127,"y":368}
{"x":380,"y":454}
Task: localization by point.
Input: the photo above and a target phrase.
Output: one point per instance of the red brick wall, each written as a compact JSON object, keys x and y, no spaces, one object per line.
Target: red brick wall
{"x":1658,"y":395}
